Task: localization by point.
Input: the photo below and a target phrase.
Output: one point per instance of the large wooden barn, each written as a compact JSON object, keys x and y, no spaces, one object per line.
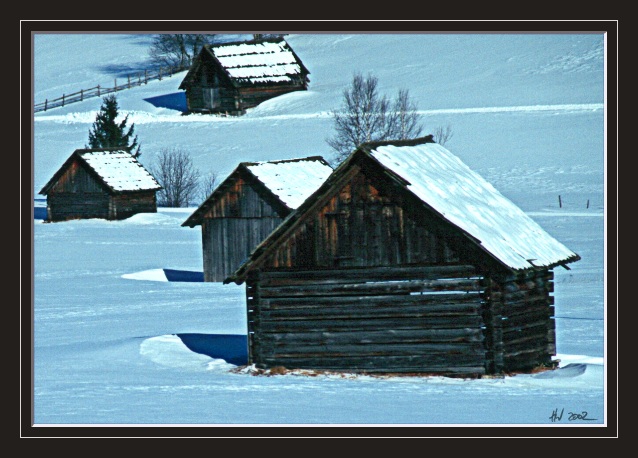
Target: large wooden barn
{"x":404,"y":261}
{"x":248,"y":205}
{"x":106,"y":183}
{"x":232,"y":77}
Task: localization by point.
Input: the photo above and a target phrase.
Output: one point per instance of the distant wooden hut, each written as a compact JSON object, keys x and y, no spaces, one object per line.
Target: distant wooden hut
{"x":106,"y":183}
{"x":232,"y":77}
{"x":404,"y":260}
{"x":248,"y":205}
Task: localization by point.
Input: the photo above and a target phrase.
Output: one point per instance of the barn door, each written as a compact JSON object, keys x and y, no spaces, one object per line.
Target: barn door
{"x":209,"y":98}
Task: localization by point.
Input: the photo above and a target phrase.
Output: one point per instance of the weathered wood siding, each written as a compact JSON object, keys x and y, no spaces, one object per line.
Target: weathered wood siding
{"x":76,"y":179}
{"x":211,"y":91}
{"x":227,"y":242}
{"x":236,"y":222}
{"x":250,"y":97}
{"x":77,"y":205}
{"x":523,"y":306}
{"x":365,"y":224}
{"x":125,"y":205}
{"x":416,"y":319}
{"x":76,"y":195}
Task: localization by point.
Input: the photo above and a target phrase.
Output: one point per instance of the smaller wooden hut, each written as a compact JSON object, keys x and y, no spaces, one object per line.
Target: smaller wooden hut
{"x":232,"y":77}
{"x":106,"y":183}
{"x":248,"y":205}
{"x":404,"y":260}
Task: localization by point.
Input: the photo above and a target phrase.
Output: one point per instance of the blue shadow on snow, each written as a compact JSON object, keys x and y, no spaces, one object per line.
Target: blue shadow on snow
{"x":183,"y":275}
{"x":230,"y":347}
{"x":174,"y":101}
{"x":39,"y":209}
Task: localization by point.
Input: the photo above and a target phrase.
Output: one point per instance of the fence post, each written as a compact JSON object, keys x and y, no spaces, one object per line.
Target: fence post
{"x":46,"y":103}
{"x":98,"y":90}
{"x":560,"y":202}
{"x":115,"y":87}
{"x":81,"y":95}
{"x":62,"y":99}
{"x":129,"y":81}
{"x":587,"y":203}
{"x":145,"y":76}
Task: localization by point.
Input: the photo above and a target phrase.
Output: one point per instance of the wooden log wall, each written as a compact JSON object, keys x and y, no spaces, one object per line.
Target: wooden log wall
{"x":523,"y":305}
{"x":377,"y":320}
{"x":77,"y":205}
{"x":250,"y":97}
{"x":128,"y":204}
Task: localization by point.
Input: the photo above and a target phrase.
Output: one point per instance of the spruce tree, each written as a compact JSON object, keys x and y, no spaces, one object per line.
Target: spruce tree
{"x":107,"y":132}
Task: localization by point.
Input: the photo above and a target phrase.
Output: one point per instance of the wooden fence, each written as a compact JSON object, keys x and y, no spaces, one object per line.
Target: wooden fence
{"x":99,"y":91}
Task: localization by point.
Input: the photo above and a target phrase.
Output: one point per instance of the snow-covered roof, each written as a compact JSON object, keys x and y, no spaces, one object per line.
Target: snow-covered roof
{"x":468,"y":201}
{"x":258,"y":62}
{"x":292,"y":181}
{"x":120,"y":170}
{"x":116,"y":168}
{"x":451,"y":189}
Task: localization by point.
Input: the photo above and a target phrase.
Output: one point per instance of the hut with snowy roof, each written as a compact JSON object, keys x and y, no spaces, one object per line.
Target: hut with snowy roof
{"x":248,"y":205}
{"x":232,"y":77}
{"x":106,"y":183}
{"x":404,"y":261}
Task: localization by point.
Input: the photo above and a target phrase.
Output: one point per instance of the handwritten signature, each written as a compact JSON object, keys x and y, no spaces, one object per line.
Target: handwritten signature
{"x":571,"y":416}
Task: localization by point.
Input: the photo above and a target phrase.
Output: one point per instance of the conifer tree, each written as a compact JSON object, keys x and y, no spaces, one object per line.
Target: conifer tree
{"x":107,"y":132}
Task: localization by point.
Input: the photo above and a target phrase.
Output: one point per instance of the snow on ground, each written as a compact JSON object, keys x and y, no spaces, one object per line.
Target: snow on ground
{"x":527,"y":113}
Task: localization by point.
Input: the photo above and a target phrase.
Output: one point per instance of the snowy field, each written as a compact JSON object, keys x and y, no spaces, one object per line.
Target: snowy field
{"x":106,"y":346}
{"x":527,"y":113}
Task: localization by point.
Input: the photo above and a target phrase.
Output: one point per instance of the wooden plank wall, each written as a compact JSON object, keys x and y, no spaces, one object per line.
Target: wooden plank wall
{"x":76,"y":179}
{"x":240,"y":200}
{"x":236,"y":222}
{"x":363,"y":225}
{"x":227,"y":242}
{"x":524,"y":306}
{"x":378,"y":320}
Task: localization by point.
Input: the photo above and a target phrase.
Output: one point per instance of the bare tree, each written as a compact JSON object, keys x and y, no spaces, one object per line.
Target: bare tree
{"x":442,"y":134}
{"x":207,"y":185}
{"x":407,"y":120}
{"x":261,"y":36}
{"x":367,"y":116}
{"x":178,"y":49}
{"x":174,"y":170}
{"x":363,"y":116}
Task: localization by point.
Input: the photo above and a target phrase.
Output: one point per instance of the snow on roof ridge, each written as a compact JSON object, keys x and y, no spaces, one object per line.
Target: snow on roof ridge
{"x":278,"y":161}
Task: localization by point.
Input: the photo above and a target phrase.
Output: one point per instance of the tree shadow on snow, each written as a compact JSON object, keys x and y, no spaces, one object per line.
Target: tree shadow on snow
{"x":125,"y":70}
